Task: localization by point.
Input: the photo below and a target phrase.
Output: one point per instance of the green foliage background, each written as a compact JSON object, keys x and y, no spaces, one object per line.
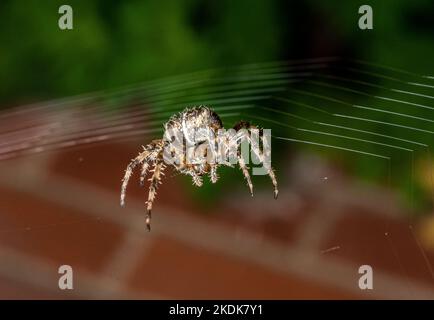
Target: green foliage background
{"x":122,"y":42}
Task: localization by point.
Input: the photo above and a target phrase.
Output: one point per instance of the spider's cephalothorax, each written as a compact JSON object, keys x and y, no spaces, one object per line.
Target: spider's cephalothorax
{"x":187,"y":146}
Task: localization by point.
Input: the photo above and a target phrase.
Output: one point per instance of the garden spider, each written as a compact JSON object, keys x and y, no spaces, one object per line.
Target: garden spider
{"x":193,"y":125}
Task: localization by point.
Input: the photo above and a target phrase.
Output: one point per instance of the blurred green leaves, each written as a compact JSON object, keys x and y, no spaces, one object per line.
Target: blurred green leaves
{"x":121,"y":42}
{"x":115,"y":43}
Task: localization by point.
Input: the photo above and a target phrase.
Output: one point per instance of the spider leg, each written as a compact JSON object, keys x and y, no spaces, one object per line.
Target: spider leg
{"x":258,"y":153}
{"x":197,"y":179}
{"x":269,"y":169}
{"x":144,"y":172}
{"x":140,"y":158}
{"x":213,"y":173}
{"x":150,"y":152}
{"x":152,"y":156}
{"x":245,"y":170}
{"x":155,"y":180}
{"x":274,"y":181}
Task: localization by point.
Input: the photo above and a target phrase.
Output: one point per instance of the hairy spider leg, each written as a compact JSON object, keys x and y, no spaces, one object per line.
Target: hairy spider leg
{"x":245,"y":170}
{"x":213,"y":173}
{"x":150,"y":152}
{"x":155,"y":148}
{"x":197,"y":179}
{"x":269,"y":169}
{"x":144,"y":172}
{"x":188,"y":169}
{"x":234,"y":143}
{"x":259,"y":154}
{"x":134,"y":162}
{"x":257,"y":151}
{"x":155,"y":180}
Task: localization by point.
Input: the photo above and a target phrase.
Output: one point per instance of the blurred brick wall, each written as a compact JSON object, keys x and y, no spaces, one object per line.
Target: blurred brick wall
{"x":62,"y":207}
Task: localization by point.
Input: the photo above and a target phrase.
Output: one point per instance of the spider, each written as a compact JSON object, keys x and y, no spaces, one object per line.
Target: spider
{"x":193,"y":125}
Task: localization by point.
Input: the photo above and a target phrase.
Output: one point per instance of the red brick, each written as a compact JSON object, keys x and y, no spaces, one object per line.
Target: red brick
{"x":59,"y":234}
{"x":180,"y":271}
{"x":362,"y":239}
{"x":10,"y":289}
{"x":278,"y":220}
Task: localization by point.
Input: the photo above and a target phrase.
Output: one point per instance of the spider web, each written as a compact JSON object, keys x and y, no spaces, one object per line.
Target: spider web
{"x":326,"y":103}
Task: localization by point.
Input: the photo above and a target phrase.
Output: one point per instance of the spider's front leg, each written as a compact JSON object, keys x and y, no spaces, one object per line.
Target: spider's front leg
{"x":155,"y":180}
{"x":154,"y":149}
{"x":150,"y":153}
{"x":140,"y":158}
{"x":144,"y":172}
